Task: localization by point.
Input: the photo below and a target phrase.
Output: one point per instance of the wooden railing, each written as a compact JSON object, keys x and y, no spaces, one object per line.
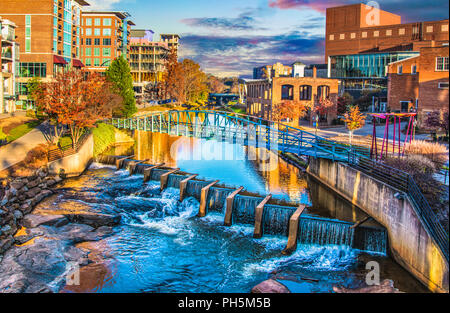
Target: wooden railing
{"x":61,"y":152}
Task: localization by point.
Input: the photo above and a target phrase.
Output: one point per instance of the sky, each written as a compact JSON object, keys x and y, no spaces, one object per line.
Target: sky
{"x":231,"y":37}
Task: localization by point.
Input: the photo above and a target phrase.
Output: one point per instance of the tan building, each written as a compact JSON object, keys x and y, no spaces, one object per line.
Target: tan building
{"x":358,"y":28}
{"x":172,"y":41}
{"x":275,"y":70}
{"x":48,"y":33}
{"x":104,"y":37}
{"x":420,"y":83}
{"x":263,"y":93}
{"x":8,"y":59}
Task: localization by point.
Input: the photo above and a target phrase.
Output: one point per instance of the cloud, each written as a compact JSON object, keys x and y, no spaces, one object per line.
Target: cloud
{"x":242,"y":22}
{"x":101,"y":4}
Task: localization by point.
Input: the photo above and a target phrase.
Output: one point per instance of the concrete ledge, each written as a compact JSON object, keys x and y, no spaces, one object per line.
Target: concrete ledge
{"x":165,"y":178}
{"x":204,"y":198}
{"x":259,"y":212}
{"x":229,"y":207}
{"x":183,"y":185}
{"x":293,"y":231}
{"x":148,"y":172}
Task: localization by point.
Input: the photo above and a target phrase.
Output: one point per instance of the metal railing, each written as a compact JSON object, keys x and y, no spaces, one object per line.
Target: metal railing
{"x":405,"y":182}
{"x":70,"y":149}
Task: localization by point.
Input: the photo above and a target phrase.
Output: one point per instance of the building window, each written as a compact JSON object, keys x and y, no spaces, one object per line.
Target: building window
{"x":32,"y":69}
{"x":27,"y":20}
{"x":323,"y":92}
{"x":106,"y":62}
{"x":27,"y":33}
{"x":97,"y":22}
{"x":88,"y":52}
{"x":97,"y":42}
{"x":88,"y":22}
{"x":305,"y":92}
{"x":106,"y":41}
{"x":88,"y":31}
{"x":429,"y":29}
{"x":106,"y":22}
{"x":96,"y":62}
{"x":97,"y":32}
{"x":444,"y":28}
{"x":27,"y":45}
{"x":404,"y":105}
{"x":401,"y":31}
{"x":376,"y":33}
{"x":364,"y":34}
{"x":331,"y":37}
{"x":88,"y":42}
{"x":88,"y":62}
{"x":106,"y":52}
{"x":389,"y":32}
{"x":96,"y":52}
{"x":414,"y":69}
{"x":353,"y":35}
{"x":399,"y":69}
{"x":342,"y":36}
{"x":287,"y":92}
{"x":106,"y":31}
{"x":443,"y":85}
{"x":441,"y":64}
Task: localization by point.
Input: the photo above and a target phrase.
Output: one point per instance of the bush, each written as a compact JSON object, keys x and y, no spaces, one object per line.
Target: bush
{"x":433,"y":151}
{"x":36,"y":155}
{"x":3,"y":136}
{"x":104,"y":137}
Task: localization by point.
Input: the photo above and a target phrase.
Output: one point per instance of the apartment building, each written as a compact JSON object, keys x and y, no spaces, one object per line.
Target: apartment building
{"x":104,"y":37}
{"x":172,"y":41}
{"x":48,"y":33}
{"x":274,"y":70}
{"x":147,"y":61}
{"x":9,"y":57}
{"x":359,"y":28}
{"x":420,"y":83}
{"x":263,"y":93}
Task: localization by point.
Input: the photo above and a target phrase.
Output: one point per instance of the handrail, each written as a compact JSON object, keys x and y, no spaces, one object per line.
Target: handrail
{"x":70,"y":149}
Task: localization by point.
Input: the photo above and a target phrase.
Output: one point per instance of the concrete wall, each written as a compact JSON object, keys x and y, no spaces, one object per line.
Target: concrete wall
{"x":74,"y":165}
{"x":410,"y":244}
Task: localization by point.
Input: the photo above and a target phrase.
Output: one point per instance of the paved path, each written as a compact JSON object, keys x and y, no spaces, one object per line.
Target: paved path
{"x":17,"y":150}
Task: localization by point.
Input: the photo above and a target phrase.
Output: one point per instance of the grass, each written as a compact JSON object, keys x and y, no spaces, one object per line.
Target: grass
{"x":22,"y":130}
{"x":104,"y":137}
{"x":158,"y":108}
{"x":65,"y":141}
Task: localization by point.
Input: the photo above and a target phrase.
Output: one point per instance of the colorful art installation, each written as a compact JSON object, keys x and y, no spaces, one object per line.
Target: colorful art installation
{"x":396,"y":142}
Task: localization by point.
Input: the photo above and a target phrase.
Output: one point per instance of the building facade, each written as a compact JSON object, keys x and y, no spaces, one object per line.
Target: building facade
{"x":172,"y":41}
{"x":104,"y":37}
{"x":48,"y":33}
{"x":9,"y":57}
{"x":275,"y":70}
{"x":262,"y":94}
{"x":358,"y":28}
{"x":420,"y":83}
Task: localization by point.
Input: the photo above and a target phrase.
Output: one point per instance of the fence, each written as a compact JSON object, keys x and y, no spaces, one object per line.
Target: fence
{"x":405,"y":183}
{"x":61,"y":152}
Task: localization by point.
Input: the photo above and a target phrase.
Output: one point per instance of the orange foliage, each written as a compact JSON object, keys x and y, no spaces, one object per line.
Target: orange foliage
{"x":354,"y":119}
{"x":289,"y":110}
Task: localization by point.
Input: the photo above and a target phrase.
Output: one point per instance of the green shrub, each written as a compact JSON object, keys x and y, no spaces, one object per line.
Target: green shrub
{"x":104,"y":137}
{"x":3,"y":136}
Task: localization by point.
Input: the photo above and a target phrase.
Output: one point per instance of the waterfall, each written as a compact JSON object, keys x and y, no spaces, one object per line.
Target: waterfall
{"x":194,"y":188}
{"x":371,"y":239}
{"x":276,"y":219}
{"x":217,"y":198}
{"x":325,"y":232}
{"x":174,"y":180}
{"x":244,"y":209}
{"x":156,"y":174}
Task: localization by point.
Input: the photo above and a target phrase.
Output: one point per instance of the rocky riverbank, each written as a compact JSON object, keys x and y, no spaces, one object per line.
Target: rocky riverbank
{"x":38,"y":246}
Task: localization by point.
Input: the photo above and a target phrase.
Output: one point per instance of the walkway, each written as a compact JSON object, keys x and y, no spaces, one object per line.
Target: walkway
{"x":17,"y":150}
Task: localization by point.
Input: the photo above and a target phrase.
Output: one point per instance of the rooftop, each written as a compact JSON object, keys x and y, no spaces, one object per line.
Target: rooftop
{"x":120,"y":14}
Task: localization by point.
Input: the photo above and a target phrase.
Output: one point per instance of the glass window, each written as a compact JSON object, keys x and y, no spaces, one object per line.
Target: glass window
{"x":27,"y":20}
{"x":88,"y":42}
{"x":107,"y":41}
{"x":25,"y":69}
{"x":27,"y":45}
{"x":442,"y":64}
{"x":88,"y":22}
{"x":88,"y":31}
{"x":106,"y":62}
{"x":107,"y":22}
{"x":97,"y":42}
{"x":305,"y":92}
{"x":97,"y":32}
{"x":400,"y":69}
{"x":88,"y":52}
{"x":96,"y":52}
{"x":287,"y":92}
{"x":323,"y":92}
{"x":96,"y":62}
{"x":107,"y":52}
{"x":28,"y":32}
{"x":97,"y":22}
{"x":106,"y":31}
{"x":88,"y":62}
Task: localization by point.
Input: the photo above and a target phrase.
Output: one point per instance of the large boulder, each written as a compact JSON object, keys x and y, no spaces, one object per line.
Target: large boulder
{"x":94,"y":219}
{"x":270,"y":286}
{"x":33,"y":221}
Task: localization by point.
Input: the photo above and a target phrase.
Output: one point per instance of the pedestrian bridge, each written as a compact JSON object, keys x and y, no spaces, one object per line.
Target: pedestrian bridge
{"x":238,"y":128}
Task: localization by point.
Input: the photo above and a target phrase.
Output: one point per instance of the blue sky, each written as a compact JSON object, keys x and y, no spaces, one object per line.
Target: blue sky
{"x":230,"y":37}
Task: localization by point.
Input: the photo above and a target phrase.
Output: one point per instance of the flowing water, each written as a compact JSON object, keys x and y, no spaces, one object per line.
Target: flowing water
{"x":161,"y":246}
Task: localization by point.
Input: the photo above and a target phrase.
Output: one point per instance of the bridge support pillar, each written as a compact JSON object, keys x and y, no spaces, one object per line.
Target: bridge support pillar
{"x":148,"y":172}
{"x":119,"y":161}
{"x":293,"y":231}
{"x":204,"y":199}
{"x":165,"y":178}
{"x":229,"y":207}
{"x":259,"y":212}
{"x":183,"y":185}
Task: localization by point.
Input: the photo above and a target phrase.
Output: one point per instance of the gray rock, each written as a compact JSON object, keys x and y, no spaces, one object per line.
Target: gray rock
{"x":5,"y":244}
{"x":33,"y":192}
{"x":26,"y":208}
{"x":41,"y":196}
{"x":51,"y":182}
{"x":18,"y":215}
{"x":33,"y":221}
{"x":270,"y":286}
{"x":34,"y":183}
{"x":94,"y":219}
{"x":17,"y":184}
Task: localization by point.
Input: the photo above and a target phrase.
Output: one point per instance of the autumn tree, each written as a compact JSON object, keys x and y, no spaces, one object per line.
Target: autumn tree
{"x":77,"y":100}
{"x":289,"y":110}
{"x":215,"y":84}
{"x":343,"y":102}
{"x":435,"y":121}
{"x":119,"y":74}
{"x":354,"y":120}
{"x":323,"y":106}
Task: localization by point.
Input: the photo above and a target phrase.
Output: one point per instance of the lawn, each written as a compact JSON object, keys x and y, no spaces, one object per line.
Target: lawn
{"x":22,"y":130}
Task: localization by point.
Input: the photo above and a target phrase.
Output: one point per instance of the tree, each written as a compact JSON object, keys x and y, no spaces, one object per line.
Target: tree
{"x":77,"y":100}
{"x":119,"y":74}
{"x":435,"y":121}
{"x":355,"y":120}
{"x":343,"y":103}
{"x":323,"y":106}
{"x":34,"y":87}
{"x":289,"y":110}
{"x":215,"y":85}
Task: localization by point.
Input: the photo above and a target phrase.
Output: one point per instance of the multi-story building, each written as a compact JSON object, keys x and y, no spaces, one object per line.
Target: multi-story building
{"x":104,"y":37}
{"x":275,"y":70}
{"x":359,"y":28}
{"x":9,"y":50}
{"x":147,"y":60}
{"x":172,"y":41}
{"x":48,"y":33}
{"x":322,"y":70}
{"x":262,"y":94}
{"x":421,"y":82}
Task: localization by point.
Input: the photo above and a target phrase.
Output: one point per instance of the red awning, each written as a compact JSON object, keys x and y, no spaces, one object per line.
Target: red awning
{"x":59,"y":60}
{"x":77,"y":63}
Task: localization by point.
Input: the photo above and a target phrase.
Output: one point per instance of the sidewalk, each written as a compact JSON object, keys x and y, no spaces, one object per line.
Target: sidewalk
{"x":17,"y":150}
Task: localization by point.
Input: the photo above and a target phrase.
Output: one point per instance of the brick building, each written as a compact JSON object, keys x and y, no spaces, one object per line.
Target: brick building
{"x":274,"y":70}
{"x":263,"y":93}
{"x":48,"y":33}
{"x":354,"y":29}
{"x":9,"y":57}
{"x":172,"y":41}
{"x":420,"y":83}
{"x":104,"y":37}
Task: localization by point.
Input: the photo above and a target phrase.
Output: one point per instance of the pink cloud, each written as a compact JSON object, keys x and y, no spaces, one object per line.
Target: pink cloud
{"x":320,"y":5}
